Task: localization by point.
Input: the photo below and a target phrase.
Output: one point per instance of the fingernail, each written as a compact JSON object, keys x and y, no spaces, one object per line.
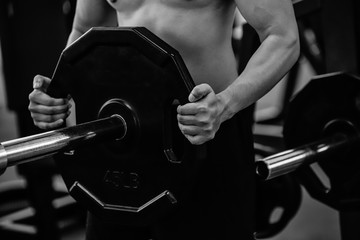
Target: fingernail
{"x":36,"y":84}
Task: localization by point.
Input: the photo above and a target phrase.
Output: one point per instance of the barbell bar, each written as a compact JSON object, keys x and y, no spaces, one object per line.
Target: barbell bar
{"x":46,"y":144}
{"x":290,"y":160}
{"x":322,"y":126}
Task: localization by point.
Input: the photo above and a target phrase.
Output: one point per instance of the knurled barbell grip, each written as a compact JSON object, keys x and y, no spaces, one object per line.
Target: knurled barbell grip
{"x":46,"y":144}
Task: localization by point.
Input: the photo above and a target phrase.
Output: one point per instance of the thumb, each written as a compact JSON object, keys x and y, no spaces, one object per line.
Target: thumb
{"x":41,"y":83}
{"x":199,"y":92}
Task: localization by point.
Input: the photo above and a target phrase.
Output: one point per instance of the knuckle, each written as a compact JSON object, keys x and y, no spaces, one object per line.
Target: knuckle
{"x":32,"y":95}
{"x":46,"y":127}
{"x":205,"y":121}
{"x":37,"y":76}
{"x":201,"y":109}
{"x":34,"y":117}
{"x":208,"y":130}
{"x":191,"y":140}
{"x":38,"y":124}
{"x":179,"y":118}
{"x":212,"y":136}
{"x":198,"y":142}
{"x":51,"y":101}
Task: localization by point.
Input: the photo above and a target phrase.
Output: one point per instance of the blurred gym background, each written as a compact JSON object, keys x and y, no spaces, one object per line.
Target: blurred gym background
{"x":318,"y":22}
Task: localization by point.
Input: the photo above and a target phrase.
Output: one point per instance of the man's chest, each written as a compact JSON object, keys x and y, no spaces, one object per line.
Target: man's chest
{"x":127,"y":5}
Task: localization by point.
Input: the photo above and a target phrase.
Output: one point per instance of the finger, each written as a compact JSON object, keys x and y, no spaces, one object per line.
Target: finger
{"x":49,"y":118}
{"x":189,"y":129}
{"x":199,"y":92}
{"x":196,"y":140}
{"x":49,"y":110}
{"x":42,"y":98}
{"x":186,"y":119}
{"x":193,"y":134}
{"x":192,"y":120}
{"x":189,"y":109}
{"x":41,"y":83}
{"x":48,"y":126}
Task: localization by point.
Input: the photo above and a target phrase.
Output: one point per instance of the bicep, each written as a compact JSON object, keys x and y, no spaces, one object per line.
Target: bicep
{"x":93,"y":13}
{"x":268,"y":16}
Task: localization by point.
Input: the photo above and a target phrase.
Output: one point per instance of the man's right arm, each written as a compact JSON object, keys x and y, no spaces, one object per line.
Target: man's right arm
{"x":48,"y":112}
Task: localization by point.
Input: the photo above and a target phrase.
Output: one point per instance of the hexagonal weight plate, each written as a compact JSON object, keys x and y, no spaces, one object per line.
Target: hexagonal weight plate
{"x":133,"y":73}
{"x":325,"y":99}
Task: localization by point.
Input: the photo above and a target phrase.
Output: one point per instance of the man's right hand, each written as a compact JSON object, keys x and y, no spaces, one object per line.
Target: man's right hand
{"x":47,"y":112}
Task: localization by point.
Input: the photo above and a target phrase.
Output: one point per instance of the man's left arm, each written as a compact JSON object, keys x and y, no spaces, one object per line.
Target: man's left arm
{"x":275,"y":23}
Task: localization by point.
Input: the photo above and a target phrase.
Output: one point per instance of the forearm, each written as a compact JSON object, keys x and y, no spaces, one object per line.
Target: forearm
{"x":272,"y":60}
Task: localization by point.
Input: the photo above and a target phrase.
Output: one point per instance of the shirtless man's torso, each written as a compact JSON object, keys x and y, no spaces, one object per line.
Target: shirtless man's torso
{"x":200,"y":30}
{"x":220,"y":198}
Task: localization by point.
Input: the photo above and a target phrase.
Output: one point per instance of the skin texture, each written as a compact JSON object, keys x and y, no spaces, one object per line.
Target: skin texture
{"x":201,"y":31}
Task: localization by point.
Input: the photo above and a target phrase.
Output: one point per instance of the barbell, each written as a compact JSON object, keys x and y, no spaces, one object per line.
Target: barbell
{"x":27,"y":149}
{"x":134,"y":167}
{"x":322,"y":126}
{"x":126,"y":83}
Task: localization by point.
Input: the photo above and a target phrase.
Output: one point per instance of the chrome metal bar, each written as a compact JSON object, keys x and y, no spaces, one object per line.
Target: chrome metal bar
{"x":290,"y":160}
{"x":38,"y":146}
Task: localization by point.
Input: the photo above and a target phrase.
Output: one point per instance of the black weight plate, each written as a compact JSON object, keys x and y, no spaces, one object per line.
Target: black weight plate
{"x":327,"y":98}
{"x":277,"y":202}
{"x":133,"y":73}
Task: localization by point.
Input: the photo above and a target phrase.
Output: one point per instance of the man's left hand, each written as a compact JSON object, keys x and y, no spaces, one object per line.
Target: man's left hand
{"x":200,"y":119}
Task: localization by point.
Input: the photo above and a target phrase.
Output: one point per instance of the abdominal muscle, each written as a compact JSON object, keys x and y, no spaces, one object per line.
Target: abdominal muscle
{"x":195,"y":28}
